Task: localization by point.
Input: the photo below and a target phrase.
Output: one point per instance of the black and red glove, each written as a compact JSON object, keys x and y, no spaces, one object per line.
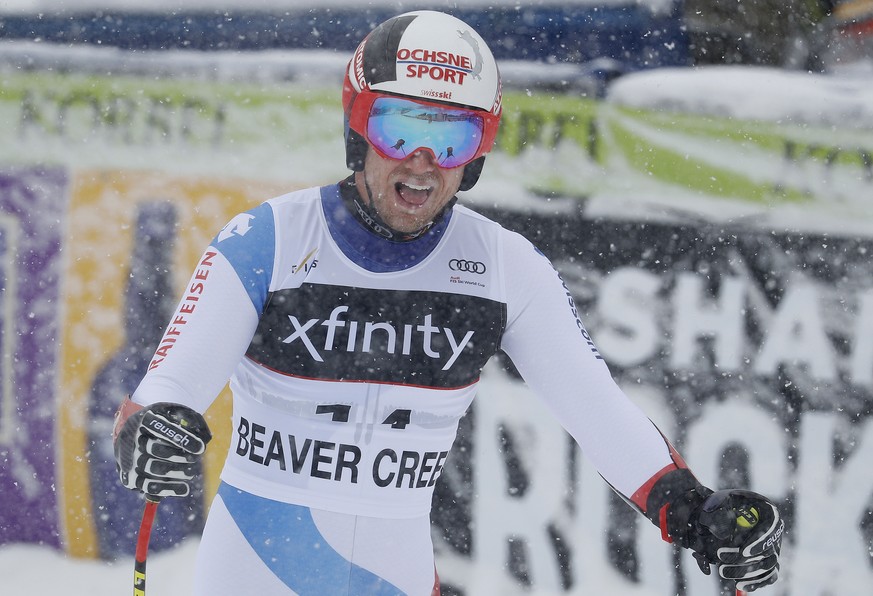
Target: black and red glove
{"x":738,"y":532}
{"x":741,"y":533}
{"x":157,"y":447}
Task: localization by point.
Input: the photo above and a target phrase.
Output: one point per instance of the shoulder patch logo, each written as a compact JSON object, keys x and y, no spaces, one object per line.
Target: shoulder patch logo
{"x":307,"y":263}
{"x":238,"y":226}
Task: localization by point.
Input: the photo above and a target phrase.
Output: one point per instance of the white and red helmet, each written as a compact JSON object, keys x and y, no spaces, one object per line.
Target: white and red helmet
{"x":431,"y":58}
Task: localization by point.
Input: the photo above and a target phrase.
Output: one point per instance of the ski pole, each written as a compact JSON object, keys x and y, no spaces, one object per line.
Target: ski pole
{"x":142,"y":545}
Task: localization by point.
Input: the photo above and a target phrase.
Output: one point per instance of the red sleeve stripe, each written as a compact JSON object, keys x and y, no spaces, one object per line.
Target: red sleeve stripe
{"x":662,"y":523}
{"x":126,"y":408}
{"x":641,"y":497}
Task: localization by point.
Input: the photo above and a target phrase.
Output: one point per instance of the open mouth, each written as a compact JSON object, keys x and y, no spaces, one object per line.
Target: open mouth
{"x":414,"y":194}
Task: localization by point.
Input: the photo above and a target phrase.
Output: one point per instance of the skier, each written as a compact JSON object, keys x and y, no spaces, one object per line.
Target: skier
{"x":353,"y":321}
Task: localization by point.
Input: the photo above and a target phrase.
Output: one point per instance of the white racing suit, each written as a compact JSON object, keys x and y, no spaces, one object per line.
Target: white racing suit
{"x":352,"y":359}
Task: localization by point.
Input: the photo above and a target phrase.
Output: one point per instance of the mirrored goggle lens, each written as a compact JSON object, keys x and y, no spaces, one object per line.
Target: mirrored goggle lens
{"x":399,"y":127}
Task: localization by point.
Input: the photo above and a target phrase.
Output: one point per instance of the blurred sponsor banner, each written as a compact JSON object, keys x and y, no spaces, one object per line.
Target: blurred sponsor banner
{"x":132,"y":240}
{"x":32,"y":218}
{"x":751,"y":349}
{"x":750,"y":345}
{"x":743,"y":160}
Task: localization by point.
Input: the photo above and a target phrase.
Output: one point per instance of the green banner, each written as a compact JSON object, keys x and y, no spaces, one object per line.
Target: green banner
{"x":550,"y":144}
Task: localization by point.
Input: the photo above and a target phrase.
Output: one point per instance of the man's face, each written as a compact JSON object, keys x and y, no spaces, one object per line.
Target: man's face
{"x":407,"y":194}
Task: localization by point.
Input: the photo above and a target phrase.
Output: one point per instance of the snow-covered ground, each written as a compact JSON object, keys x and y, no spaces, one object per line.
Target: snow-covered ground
{"x":34,"y":570}
{"x":832,"y":112}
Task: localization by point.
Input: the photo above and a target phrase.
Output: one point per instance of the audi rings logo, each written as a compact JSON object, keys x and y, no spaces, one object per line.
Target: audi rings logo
{"x":467,"y":266}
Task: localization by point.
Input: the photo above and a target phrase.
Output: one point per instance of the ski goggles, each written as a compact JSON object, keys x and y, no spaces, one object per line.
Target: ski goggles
{"x":397,"y":127}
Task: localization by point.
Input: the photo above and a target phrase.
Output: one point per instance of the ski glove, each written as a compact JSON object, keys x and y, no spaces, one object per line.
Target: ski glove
{"x":737,"y":531}
{"x":157,"y":447}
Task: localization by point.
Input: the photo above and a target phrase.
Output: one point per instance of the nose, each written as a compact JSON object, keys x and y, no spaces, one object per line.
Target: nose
{"x":422,"y":159}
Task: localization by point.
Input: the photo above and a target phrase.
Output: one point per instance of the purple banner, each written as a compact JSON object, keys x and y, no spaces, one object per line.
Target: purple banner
{"x":31,"y":221}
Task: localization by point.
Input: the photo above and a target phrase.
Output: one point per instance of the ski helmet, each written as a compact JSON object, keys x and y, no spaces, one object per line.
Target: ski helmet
{"x":433,"y":59}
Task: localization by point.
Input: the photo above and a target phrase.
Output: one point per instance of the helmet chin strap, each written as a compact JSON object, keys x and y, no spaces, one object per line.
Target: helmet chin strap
{"x":366,"y":213}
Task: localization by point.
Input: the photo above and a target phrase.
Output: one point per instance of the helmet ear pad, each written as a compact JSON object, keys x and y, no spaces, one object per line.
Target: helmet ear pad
{"x":472,"y":171}
{"x":356,"y":150}
{"x":356,"y":153}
